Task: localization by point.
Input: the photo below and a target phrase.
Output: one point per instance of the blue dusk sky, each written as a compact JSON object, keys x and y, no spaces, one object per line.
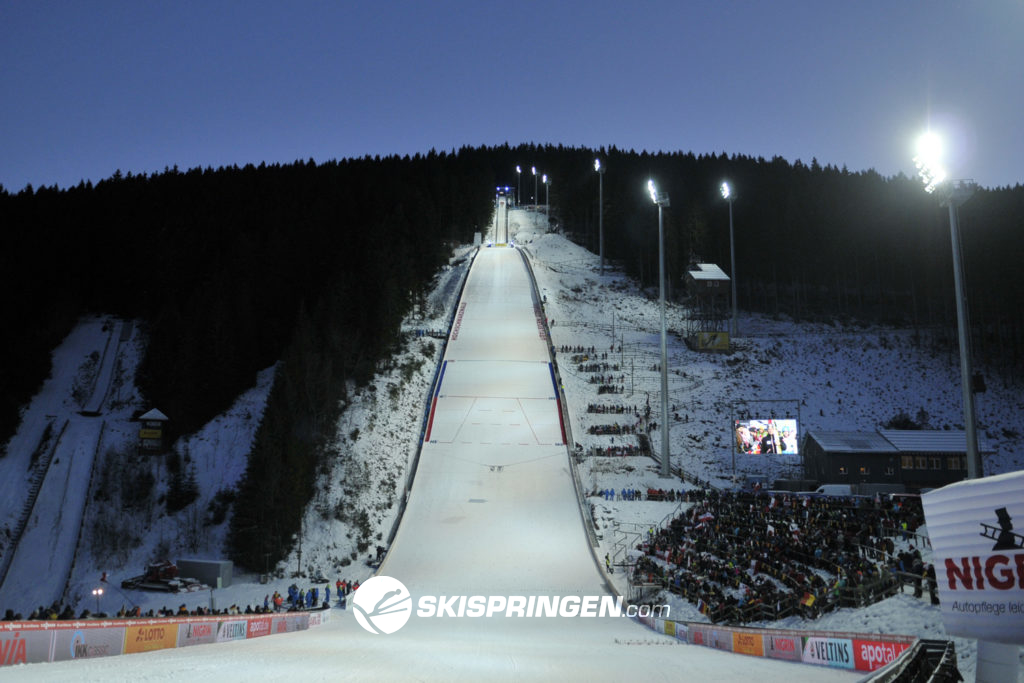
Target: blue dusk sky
{"x":88,"y":88}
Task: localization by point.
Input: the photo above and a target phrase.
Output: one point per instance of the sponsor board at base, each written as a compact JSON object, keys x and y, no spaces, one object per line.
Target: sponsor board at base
{"x":197,"y":633}
{"x":837,"y":652}
{"x":710,"y":637}
{"x":24,"y":647}
{"x":258,"y":626}
{"x":319,"y":618}
{"x":869,"y":655}
{"x":783,"y":647}
{"x":287,"y":624}
{"x":231,"y":630}
{"x":747,"y":643}
{"x":149,"y":637}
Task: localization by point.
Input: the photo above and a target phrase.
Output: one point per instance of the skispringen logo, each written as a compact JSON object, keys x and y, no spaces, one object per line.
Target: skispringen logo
{"x":384,"y":605}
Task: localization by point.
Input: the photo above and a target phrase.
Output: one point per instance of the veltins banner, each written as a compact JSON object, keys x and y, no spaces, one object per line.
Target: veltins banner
{"x":977,"y":533}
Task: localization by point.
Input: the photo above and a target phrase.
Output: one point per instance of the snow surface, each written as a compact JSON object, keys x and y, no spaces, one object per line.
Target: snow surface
{"x":850,"y":378}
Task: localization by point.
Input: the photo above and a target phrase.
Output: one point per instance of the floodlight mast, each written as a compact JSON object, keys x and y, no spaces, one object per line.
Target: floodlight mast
{"x":536,"y":199}
{"x":519,"y":186}
{"x":661,"y":199}
{"x":953,"y":194}
{"x":727,"y":194}
{"x":600,"y":210}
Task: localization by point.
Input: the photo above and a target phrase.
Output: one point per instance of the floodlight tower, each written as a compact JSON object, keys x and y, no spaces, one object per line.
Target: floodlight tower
{"x":661,"y":199}
{"x":536,"y":200}
{"x":728,"y":195}
{"x":600,"y":210}
{"x":547,"y":199}
{"x":953,"y":193}
{"x":519,"y":187}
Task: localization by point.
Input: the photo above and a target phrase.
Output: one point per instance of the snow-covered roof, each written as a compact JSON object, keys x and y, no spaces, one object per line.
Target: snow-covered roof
{"x":851,"y":442}
{"x":894,"y":440}
{"x":708,"y":271}
{"x":154,"y":414}
{"x":928,"y":440}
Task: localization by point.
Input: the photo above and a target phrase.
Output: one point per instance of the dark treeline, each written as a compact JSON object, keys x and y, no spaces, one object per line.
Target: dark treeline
{"x":812,"y":242}
{"x":312,"y":267}
{"x":231,"y":271}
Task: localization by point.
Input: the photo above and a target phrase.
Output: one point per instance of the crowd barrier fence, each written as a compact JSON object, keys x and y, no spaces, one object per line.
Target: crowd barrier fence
{"x":854,"y":651}
{"x":34,"y":642}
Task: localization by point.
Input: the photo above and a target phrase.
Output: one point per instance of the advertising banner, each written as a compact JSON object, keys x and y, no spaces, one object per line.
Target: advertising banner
{"x":24,"y":647}
{"x":287,"y":623}
{"x":231,"y":630}
{"x":712,"y":341}
{"x":783,"y":647}
{"x":708,"y":636}
{"x":869,"y":655}
{"x":319,"y":618}
{"x":197,"y":633}
{"x":979,"y":556}
{"x":748,"y":643}
{"x":149,"y":637}
{"x":82,"y":643}
{"x":837,"y":652}
{"x":669,"y":628}
{"x":258,"y":626}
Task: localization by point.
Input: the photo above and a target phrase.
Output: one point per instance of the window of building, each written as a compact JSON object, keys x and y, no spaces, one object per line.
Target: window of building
{"x":865,"y":470}
{"x":935,"y":462}
{"x":920,"y":462}
{"x":956,"y":462}
{"x":843,"y":471}
{"x":890,"y":471}
{"x":907,"y":461}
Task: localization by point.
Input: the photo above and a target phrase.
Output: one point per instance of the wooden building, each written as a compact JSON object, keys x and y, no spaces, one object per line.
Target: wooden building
{"x":152,"y":426}
{"x":917,"y":459}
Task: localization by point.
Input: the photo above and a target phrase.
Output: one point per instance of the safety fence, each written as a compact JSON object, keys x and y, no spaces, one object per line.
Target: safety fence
{"x":33,"y":642}
{"x":855,"y":651}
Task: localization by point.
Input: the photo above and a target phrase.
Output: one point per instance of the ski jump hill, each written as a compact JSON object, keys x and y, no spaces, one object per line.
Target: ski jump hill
{"x":492,"y":511}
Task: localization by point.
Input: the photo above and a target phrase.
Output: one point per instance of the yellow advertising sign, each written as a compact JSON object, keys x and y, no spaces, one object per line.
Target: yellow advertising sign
{"x":150,"y":434}
{"x":748,"y":643}
{"x":150,"y":637}
{"x":712,"y":341}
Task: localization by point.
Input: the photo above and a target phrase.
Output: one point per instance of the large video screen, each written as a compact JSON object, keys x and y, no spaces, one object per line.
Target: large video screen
{"x":766,"y":436}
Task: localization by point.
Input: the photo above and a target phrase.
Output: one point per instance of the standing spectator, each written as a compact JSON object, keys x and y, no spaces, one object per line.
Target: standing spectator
{"x":933,"y":584}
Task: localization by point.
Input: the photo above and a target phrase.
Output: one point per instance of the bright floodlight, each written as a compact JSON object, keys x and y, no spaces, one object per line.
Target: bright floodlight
{"x":726,"y":191}
{"x":544,"y":178}
{"x":518,"y":170}
{"x":597,"y":164}
{"x":534,"y":169}
{"x":653,"y":190}
{"x":929,"y":154}
{"x":929,"y":147}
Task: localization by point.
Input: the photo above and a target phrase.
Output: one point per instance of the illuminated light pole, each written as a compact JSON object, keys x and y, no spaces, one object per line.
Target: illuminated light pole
{"x":728,"y":195}
{"x":954,"y":193}
{"x":519,"y":188}
{"x":536,"y":200}
{"x":97,"y":593}
{"x":547,"y":199}
{"x":600,"y":211}
{"x":661,"y":199}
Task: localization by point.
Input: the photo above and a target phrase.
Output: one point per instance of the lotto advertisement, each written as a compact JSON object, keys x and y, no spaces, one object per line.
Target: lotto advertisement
{"x":977,"y":532}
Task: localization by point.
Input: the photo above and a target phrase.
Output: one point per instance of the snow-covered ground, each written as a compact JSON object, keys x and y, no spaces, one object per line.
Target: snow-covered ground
{"x":843,"y":378}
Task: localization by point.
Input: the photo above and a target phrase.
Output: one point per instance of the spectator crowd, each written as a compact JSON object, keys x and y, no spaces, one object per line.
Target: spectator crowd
{"x":742,"y":557}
